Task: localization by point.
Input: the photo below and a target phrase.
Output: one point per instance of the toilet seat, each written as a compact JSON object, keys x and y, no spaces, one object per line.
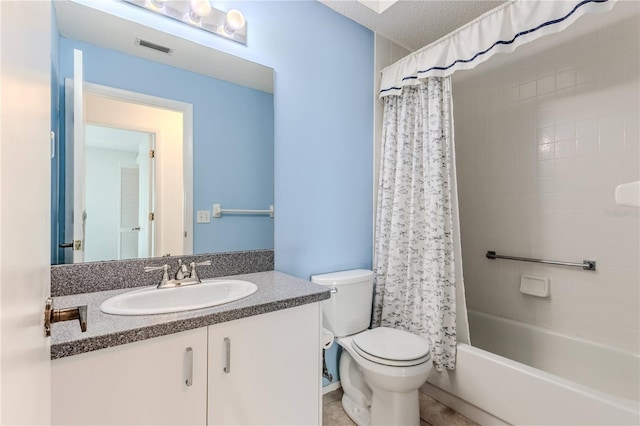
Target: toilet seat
{"x":392,"y":347}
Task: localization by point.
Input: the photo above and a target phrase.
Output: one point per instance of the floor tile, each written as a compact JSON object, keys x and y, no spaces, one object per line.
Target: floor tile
{"x":435,"y":413}
{"x":334,"y":415}
{"x":432,"y":412}
{"x":335,"y":395}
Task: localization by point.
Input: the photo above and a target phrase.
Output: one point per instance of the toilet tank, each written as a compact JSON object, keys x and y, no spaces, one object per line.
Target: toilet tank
{"x":348,"y":311}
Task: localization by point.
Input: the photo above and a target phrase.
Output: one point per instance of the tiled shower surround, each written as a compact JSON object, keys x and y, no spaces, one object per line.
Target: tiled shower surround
{"x":543,"y":137}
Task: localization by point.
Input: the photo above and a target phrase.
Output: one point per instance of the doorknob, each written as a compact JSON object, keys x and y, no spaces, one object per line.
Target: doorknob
{"x":76,"y":245}
{"x":137,"y":228}
{"x":67,"y":314}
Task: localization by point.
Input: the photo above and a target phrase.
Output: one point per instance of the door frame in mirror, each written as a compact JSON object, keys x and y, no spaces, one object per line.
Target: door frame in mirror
{"x":157,"y":102}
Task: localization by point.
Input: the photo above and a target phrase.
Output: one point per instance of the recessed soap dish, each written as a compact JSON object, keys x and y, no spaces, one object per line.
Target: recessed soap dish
{"x":534,"y":286}
{"x":628,"y":194}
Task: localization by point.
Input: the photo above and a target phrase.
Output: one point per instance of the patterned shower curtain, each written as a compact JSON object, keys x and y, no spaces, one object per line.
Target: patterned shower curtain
{"x":414,"y":246}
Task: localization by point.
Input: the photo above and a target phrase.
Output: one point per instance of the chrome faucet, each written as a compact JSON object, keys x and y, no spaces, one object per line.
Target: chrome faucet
{"x":181,"y":273}
{"x":182,"y":276}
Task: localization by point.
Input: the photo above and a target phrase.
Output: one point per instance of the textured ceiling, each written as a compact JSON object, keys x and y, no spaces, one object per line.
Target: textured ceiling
{"x":414,"y":24}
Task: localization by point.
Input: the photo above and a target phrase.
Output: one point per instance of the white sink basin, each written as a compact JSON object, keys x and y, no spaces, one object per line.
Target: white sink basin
{"x":151,"y":300}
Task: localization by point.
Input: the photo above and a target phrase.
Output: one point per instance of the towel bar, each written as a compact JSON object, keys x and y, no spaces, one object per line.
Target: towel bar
{"x":587,"y":265}
{"x":217,"y":211}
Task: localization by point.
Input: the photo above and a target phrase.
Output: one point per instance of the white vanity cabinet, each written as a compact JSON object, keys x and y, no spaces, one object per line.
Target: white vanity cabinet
{"x":272,"y":376}
{"x":140,"y":383}
{"x":265,"y":369}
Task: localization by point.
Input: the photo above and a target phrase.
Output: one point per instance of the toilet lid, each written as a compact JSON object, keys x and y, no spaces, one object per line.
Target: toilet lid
{"x":390,"y":346}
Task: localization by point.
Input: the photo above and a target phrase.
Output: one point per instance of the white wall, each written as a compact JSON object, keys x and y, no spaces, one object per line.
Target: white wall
{"x":542,"y":141}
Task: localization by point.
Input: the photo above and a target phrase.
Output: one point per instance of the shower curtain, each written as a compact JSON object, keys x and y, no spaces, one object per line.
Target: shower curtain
{"x":414,"y":261}
{"x":417,"y":248}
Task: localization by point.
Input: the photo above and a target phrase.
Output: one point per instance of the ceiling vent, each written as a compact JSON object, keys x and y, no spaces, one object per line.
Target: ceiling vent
{"x":154,"y":46}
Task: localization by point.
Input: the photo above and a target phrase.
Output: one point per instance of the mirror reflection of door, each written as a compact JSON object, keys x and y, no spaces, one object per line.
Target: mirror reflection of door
{"x":128,"y":124}
{"x":119,"y":176}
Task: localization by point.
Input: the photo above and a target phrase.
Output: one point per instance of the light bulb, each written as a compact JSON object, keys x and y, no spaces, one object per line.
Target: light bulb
{"x":234,"y":21}
{"x":155,"y":5}
{"x":201,"y":8}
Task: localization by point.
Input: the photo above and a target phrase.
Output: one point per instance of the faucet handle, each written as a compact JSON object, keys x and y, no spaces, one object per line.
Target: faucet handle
{"x":194,"y":273}
{"x":156,"y":268}
{"x":165,"y":275}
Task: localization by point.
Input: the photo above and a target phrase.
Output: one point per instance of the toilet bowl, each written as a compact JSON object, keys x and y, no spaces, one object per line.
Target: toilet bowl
{"x":380,"y":369}
{"x":381,"y":394}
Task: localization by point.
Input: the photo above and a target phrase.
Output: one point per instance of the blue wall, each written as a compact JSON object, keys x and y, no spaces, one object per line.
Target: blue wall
{"x":323,"y":107}
{"x":324,"y":135}
{"x":232,"y":161}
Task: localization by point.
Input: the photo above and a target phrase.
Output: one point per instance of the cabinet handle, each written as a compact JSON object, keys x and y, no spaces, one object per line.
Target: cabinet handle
{"x":227,"y":365}
{"x":189,"y":380}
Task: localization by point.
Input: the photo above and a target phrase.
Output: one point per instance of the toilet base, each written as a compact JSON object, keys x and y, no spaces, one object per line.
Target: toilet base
{"x":395,"y":400}
{"x":380,"y":395}
{"x":404,"y":409}
{"x":358,"y":414}
{"x":394,"y":408}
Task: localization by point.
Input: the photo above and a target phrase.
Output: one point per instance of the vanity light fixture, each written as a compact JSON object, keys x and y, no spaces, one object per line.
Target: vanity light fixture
{"x":233,"y":22}
{"x":200,"y":14}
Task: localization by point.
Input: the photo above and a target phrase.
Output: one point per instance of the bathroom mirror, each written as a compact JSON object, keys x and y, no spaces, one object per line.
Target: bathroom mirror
{"x":226,"y":158}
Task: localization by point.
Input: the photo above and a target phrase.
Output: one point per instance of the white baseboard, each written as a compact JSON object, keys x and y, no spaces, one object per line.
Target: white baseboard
{"x":468,"y":410}
{"x":331,"y":387}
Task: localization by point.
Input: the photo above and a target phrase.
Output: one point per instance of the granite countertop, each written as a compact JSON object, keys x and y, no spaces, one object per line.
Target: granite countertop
{"x":276,"y":291}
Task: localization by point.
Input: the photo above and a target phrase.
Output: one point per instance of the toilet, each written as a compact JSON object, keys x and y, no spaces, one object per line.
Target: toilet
{"x":381,"y":369}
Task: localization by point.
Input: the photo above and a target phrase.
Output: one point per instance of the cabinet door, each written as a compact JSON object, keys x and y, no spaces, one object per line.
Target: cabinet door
{"x":272,"y":374}
{"x":134,"y":384}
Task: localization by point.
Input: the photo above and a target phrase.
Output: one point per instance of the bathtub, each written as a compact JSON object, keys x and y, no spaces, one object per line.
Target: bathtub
{"x":547,"y":379}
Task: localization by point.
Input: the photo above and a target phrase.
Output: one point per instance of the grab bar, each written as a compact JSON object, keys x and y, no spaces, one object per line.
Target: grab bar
{"x":587,"y":265}
{"x":217,"y":211}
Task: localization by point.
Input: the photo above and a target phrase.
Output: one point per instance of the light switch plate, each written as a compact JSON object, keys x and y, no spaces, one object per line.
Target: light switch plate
{"x":203,"y":216}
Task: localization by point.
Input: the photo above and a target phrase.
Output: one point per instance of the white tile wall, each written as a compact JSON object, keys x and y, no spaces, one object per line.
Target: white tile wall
{"x":541,"y":143}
